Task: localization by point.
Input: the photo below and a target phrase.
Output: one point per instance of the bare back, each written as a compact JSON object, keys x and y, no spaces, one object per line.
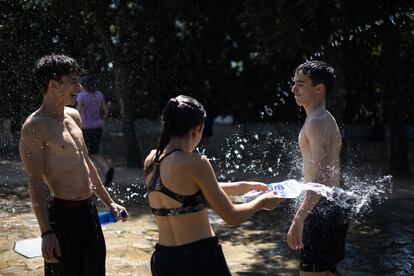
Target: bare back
{"x":175,"y":173}
{"x":320,"y":145}
{"x":54,"y":149}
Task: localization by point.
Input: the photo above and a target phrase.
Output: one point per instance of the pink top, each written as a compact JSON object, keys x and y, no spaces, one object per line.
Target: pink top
{"x":90,"y":103}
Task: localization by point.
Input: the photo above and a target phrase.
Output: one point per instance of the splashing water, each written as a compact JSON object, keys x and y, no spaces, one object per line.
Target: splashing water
{"x":271,"y":154}
{"x":257,"y":154}
{"x":338,"y":38}
{"x":354,"y":202}
{"x":358,"y":198}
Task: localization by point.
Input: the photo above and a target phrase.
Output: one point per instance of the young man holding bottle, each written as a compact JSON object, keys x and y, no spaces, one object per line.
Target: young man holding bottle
{"x":319,"y":226}
{"x":53,"y":152}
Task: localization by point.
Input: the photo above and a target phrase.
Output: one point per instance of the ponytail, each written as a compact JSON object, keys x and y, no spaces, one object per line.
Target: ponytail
{"x":181,"y":114}
{"x":165,"y":137}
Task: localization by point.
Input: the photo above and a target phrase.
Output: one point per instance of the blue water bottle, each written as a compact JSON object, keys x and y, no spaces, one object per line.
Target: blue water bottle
{"x":109,"y":217}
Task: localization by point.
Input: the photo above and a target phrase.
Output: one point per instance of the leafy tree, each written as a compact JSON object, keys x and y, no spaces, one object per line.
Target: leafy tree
{"x":237,"y":57}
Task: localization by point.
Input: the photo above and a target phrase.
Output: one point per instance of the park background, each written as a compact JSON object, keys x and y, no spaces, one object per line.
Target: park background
{"x":237,"y":58}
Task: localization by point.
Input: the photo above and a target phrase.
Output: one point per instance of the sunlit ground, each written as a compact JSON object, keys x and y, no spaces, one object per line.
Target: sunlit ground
{"x":380,"y":244}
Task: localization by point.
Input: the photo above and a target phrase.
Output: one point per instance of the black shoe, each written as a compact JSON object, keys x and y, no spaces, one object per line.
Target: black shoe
{"x":109,"y":175}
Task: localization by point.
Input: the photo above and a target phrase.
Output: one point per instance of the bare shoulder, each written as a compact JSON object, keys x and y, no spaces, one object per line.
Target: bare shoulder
{"x":74,"y":114}
{"x":321,"y":123}
{"x":34,"y":127}
{"x":196,"y":162}
{"x":323,"y":129}
{"x":199,"y":169}
{"x":150,"y":158}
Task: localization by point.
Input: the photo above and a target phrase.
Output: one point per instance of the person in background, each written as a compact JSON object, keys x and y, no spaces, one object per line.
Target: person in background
{"x":94,"y":112}
{"x":181,"y":183}
{"x":53,"y":152}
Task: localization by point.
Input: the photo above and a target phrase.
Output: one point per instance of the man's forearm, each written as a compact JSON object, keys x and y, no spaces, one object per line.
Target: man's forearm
{"x":309,"y":202}
{"x":99,"y":188}
{"x":39,"y":204}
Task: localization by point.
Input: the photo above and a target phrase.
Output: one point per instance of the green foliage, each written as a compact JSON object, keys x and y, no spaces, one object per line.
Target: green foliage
{"x":235,"y":56}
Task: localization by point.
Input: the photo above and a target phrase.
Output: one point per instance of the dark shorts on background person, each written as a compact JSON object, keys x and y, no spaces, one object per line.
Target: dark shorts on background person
{"x":203,"y":257}
{"x":92,"y":138}
{"x":324,"y":234}
{"x":77,"y":228}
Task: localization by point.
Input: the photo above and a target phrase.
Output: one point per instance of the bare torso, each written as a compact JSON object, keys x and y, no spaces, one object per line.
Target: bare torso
{"x":324,"y":159}
{"x":64,"y":166}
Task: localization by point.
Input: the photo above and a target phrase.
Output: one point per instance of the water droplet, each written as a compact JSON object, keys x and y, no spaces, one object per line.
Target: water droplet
{"x":134,"y":195}
{"x":268,"y":110}
{"x":391,"y":18}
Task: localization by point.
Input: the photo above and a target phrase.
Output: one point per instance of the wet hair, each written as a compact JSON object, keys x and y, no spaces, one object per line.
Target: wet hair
{"x":181,"y":114}
{"x":318,"y":72}
{"x":53,"y":67}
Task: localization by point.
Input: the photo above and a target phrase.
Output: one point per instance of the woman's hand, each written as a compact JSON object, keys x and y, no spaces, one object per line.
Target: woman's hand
{"x":247,"y":186}
{"x":270,"y":200}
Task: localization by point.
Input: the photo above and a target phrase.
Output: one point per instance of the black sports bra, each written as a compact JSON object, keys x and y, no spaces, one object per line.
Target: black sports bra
{"x":190,"y":203}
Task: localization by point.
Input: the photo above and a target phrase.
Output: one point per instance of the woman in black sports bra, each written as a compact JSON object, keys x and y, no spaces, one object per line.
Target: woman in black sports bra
{"x":180,"y":184}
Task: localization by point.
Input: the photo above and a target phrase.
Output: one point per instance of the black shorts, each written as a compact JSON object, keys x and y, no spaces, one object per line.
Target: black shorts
{"x":203,"y":257}
{"x":77,"y":228}
{"x":92,"y":138}
{"x":323,"y":237}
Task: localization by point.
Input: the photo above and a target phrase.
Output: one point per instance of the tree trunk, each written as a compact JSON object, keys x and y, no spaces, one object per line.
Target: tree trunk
{"x":115,"y":53}
{"x":399,"y":162}
{"x":133,"y":156}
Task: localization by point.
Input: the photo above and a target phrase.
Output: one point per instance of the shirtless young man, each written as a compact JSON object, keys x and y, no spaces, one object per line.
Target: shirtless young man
{"x":319,"y":226}
{"x":54,"y":152}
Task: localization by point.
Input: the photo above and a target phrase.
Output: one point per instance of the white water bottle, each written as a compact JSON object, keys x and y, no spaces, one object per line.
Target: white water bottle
{"x":286,"y":189}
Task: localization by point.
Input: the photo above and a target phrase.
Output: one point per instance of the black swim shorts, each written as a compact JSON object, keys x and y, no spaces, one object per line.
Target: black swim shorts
{"x":203,"y":257}
{"x":77,"y":228}
{"x":323,"y":237}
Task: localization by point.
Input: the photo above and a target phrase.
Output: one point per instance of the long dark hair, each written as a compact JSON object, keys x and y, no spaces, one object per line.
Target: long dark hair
{"x":181,"y":114}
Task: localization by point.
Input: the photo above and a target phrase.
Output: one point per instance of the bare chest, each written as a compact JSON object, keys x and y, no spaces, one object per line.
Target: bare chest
{"x":304,"y":143}
{"x":64,"y":138}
